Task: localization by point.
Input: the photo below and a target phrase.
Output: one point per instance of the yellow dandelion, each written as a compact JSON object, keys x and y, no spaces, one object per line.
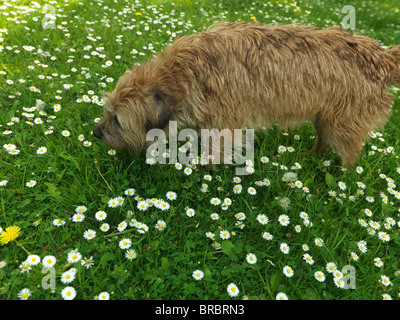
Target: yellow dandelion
{"x":10,"y":234}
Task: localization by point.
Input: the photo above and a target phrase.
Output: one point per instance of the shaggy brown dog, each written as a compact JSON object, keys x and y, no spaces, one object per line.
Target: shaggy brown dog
{"x":237,"y":75}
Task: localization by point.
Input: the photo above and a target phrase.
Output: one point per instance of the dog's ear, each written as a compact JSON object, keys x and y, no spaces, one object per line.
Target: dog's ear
{"x":161,"y":110}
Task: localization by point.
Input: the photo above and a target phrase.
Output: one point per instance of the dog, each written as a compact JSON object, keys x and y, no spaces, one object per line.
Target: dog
{"x":247,"y":75}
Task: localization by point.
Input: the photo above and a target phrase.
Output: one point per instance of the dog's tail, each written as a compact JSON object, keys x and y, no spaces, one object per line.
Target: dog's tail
{"x":393,"y":52}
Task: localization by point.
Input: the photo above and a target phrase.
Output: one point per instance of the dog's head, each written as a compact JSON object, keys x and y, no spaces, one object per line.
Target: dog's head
{"x":138,"y":104}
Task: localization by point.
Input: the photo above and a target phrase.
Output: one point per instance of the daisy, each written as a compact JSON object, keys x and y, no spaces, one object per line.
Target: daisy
{"x":332,"y":193}
{"x":215,"y":201}
{"x":308,"y":259}
{"x":73,"y":256}
{"x":143,"y":228}
{"x":10,"y":147}
{"x":31,"y":184}
{"x":113,"y":203}
{"x":390,"y":221}
{"x":210,"y":235}
{"x":3,"y":183}
{"x":267,"y":236}
{"x":339,"y":283}
{"x":281,"y":296}
{"x":49,"y":261}
{"x":319,"y":276}
{"x":214,"y":216}
{"x":319,"y":242}
{"x":284,"y":248}
{"x":262,"y":219}
{"x":264,"y":159}
{"x":342,"y":185}
{"x":354,"y":256}
{"x":164,"y":206}
{"x":224,"y":234}
{"x":233,"y":290}
{"x":190,"y":212}
{"x":58,"y":222}
{"x":87,"y":262}
{"x":122,"y":226}
{"x":68,"y":293}
{"x":100,"y":215}
{"x":386,"y":296}
{"x":120,"y":200}
{"x":198,"y":274}
{"x":374,"y":225}
{"x":125,"y":243}
{"x":89,"y":234}
{"x":362,"y":245}
{"x":80,"y":209}
{"x":283,"y":219}
{"x":103,"y":296}
{"x":378,"y":262}
{"x":288,"y":271}
{"x":33,"y":259}
{"x":131,"y":254}
{"x":65,"y":133}
{"x":105,"y":227}
{"x":237,"y":189}
{"x":240,"y":216}
{"x":41,"y":150}
{"x":368,"y":212}
{"x":385,"y":280}
{"x":25,"y":267}
{"x":266,"y":182}
{"x":251,"y":258}
{"x":236,"y":180}
{"x":384,"y":236}
{"x":250,"y":169}
{"x":370,"y":199}
{"x":142,"y":205}
{"x":251,"y":191}
{"x":161,"y":225}
{"x":171,"y":195}
{"x":67,"y":277}
{"x":331,"y":267}
{"x":178,"y":166}
{"x":24,"y":294}
{"x":78,"y":217}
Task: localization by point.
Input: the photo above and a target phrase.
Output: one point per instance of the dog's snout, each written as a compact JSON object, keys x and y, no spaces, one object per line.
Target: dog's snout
{"x":98,"y":133}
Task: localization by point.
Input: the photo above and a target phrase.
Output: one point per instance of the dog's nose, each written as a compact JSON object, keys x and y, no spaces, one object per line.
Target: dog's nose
{"x":98,"y":133}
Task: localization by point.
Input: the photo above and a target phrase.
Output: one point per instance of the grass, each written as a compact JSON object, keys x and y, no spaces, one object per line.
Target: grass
{"x":66,"y":69}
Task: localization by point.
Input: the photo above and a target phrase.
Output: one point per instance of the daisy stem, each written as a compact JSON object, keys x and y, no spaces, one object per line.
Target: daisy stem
{"x":104,"y":179}
{"x":20,"y":245}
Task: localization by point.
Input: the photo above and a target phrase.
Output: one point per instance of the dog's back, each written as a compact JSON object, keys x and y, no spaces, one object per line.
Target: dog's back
{"x":247,"y":74}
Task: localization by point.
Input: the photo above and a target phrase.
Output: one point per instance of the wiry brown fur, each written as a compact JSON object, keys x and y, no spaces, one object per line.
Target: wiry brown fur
{"x":237,"y":75}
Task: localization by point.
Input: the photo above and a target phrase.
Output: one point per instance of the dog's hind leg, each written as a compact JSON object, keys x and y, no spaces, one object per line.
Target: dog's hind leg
{"x":322,"y":142}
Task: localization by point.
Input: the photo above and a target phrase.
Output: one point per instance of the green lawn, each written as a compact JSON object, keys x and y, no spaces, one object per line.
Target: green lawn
{"x":56,"y":179}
